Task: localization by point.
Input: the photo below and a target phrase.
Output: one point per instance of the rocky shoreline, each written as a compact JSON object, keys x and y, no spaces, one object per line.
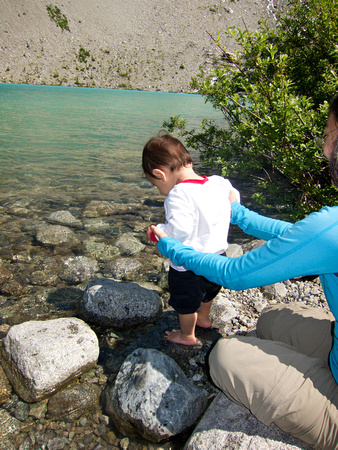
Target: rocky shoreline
{"x":57,"y":290}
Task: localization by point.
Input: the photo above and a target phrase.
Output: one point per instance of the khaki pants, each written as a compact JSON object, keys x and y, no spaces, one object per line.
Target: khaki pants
{"x":283,"y":375}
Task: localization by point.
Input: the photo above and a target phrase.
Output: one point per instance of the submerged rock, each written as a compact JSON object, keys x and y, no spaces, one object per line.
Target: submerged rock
{"x":8,"y":424}
{"x":8,"y":285}
{"x":129,"y":245}
{"x":5,"y":388}
{"x":112,"y":303}
{"x":73,"y":401}
{"x":78,"y":269}
{"x":55,"y":235}
{"x":39,"y":357}
{"x":5,"y":275}
{"x":98,"y":208}
{"x":65,"y":218}
{"x":100,"y":251}
{"x":5,"y":444}
{"x":38,"y":410}
{"x":45,"y":273}
{"x":12,"y":288}
{"x":17,"y":408}
{"x":122,"y":268}
{"x":152,"y":398}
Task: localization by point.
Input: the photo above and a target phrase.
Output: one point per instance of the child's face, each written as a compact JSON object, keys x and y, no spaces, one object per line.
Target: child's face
{"x":165,"y":180}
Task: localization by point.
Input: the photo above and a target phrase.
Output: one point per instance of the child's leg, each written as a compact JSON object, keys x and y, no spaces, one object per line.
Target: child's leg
{"x":203,"y":319}
{"x":186,"y":334}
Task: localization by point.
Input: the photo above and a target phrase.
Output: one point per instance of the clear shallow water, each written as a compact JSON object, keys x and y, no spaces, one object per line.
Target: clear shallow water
{"x":61,"y":148}
{"x":75,"y":144}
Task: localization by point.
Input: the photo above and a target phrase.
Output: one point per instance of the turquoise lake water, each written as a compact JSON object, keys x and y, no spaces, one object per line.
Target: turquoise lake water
{"x":67,"y":144}
{"x":62,"y":148}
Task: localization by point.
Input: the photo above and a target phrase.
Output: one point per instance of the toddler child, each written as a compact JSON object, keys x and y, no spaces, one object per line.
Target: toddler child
{"x":197,"y":212}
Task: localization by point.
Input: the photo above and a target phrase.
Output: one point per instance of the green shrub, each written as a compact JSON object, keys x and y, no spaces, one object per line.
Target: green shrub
{"x":274,"y":103}
{"x":60,"y":19}
{"x":83,"y":55}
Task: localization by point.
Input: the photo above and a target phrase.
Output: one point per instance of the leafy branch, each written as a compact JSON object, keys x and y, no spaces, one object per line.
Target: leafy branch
{"x":272,"y":110}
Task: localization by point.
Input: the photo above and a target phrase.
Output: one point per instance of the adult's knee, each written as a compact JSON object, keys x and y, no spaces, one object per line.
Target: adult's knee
{"x":267,"y":320}
{"x":307,"y":329}
{"x":225,"y":366}
{"x":220,"y":358}
{"x":276,"y":320}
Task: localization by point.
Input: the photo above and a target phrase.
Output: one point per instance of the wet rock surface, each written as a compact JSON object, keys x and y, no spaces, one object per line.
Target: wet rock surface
{"x":55,"y":235}
{"x":73,"y":402}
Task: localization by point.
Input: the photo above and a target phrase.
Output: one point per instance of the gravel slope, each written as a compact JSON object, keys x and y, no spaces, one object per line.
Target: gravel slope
{"x":148,"y":44}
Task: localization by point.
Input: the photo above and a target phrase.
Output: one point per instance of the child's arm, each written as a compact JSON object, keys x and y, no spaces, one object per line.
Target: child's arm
{"x":179,"y":213}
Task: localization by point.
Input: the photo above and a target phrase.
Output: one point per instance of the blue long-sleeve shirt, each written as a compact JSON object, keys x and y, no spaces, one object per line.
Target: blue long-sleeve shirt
{"x":308,"y":247}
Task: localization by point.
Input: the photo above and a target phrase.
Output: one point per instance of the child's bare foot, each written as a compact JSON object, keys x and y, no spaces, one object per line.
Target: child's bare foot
{"x":203,"y":323}
{"x":178,"y":338}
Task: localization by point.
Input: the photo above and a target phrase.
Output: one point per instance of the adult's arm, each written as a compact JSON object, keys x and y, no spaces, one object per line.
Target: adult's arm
{"x":309,"y":247}
{"x":256,"y":225}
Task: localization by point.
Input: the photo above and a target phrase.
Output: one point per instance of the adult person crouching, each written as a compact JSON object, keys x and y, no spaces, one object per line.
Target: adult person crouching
{"x":287,"y":375}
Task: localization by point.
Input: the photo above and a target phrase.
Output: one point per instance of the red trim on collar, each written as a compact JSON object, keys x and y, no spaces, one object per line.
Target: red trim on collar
{"x":195,"y":181}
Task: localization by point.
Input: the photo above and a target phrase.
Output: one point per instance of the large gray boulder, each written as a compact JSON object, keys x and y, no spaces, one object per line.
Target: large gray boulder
{"x":40,"y":357}
{"x":152,"y":397}
{"x":112,"y":303}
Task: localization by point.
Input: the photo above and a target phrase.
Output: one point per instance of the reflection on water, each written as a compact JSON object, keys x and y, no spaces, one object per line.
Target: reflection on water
{"x":62,"y":142}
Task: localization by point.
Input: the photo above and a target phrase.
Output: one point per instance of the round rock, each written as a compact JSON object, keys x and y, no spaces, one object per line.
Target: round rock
{"x":119,"y":304}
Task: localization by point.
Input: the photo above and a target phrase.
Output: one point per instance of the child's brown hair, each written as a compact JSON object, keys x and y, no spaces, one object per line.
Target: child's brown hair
{"x":164,"y":151}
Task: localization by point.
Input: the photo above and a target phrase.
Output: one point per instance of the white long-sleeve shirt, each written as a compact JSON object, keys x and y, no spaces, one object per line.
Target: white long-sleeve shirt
{"x":198,"y":214}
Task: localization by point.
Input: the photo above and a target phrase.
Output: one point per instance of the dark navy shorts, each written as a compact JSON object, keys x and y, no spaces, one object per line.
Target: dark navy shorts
{"x":188,"y":290}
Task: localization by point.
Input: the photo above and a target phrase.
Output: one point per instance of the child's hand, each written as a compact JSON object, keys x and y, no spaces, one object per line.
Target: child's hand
{"x":150,"y":232}
{"x":157,"y":232}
